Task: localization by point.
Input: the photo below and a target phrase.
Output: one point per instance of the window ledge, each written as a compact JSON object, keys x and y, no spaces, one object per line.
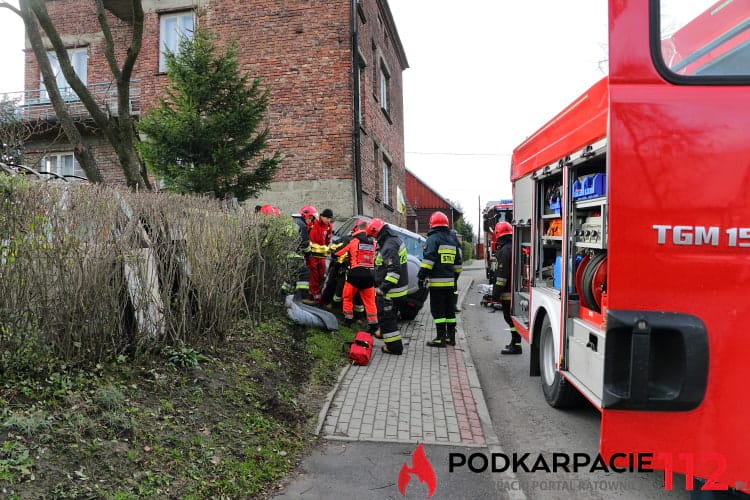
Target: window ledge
{"x":387,"y":115}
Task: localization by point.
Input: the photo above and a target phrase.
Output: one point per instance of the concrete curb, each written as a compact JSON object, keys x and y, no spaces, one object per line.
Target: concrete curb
{"x":476,"y":389}
{"x":329,"y":399}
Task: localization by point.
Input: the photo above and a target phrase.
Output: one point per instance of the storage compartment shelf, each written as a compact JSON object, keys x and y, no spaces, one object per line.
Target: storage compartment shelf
{"x":600,"y":245}
{"x":593,"y":202}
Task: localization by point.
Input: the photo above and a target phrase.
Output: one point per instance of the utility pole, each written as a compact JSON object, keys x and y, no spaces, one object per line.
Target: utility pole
{"x":479,"y":224}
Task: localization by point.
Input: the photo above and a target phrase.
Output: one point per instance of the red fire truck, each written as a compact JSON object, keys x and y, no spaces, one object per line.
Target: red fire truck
{"x":494,"y":212}
{"x":632,"y":243}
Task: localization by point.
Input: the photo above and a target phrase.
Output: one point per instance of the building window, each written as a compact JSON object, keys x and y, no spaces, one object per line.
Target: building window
{"x":374,"y":71}
{"x":79,"y":60}
{"x":385,"y":80}
{"x":62,"y":164}
{"x":173,"y":28}
{"x":376,"y":165}
{"x":385,"y":173}
{"x":361,"y":87}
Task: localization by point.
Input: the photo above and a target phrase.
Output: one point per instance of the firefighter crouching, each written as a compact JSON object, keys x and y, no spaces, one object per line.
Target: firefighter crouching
{"x":439,"y":269}
{"x":501,"y":288}
{"x":391,"y":280}
{"x":359,"y":277}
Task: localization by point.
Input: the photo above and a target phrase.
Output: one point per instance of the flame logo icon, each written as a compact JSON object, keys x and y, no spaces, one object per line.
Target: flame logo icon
{"x":421,"y":468}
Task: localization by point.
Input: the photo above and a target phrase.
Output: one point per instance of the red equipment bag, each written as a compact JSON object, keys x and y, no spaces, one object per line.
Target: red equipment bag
{"x":360,"y":351}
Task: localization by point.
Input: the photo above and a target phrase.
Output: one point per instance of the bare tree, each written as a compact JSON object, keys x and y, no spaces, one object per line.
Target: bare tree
{"x":118,"y":128}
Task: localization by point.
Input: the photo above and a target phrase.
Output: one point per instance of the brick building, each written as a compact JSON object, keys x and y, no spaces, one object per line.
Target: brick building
{"x":423,"y":201}
{"x":334,"y":69}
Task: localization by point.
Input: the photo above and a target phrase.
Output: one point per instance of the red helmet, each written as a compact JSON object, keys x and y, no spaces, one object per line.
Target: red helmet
{"x":308,"y":211}
{"x":269,"y":210}
{"x":374,"y":227}
{"x":502,"y":228}
{"x":438,"y":219}
{"x":359,"y":224}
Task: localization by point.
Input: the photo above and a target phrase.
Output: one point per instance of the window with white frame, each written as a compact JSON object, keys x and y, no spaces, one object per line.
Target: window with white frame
{"x":62,"y":164}
{"x":79,"y":59}
{"x":173,"y":28}
{"x":361,"y":86}
{"x":385,"y":80}
{"x":386,"y":177}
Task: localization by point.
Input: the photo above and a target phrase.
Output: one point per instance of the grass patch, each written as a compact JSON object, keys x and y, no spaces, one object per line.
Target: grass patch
{"x":230,"y":422}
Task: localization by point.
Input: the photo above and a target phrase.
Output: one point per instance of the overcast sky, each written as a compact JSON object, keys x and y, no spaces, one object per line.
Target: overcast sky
{"x":484,"y":74}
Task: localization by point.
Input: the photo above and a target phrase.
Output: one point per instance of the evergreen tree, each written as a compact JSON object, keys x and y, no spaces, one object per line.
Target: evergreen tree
{"x":465,"y":229}
{"x":207,"y":135}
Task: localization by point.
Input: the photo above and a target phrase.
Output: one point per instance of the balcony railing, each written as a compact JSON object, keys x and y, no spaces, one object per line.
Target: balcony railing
{"x":32,"y":105}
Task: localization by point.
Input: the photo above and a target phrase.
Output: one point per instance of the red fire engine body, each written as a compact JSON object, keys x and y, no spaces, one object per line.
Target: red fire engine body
{"x":494,"y":212}
{"x":632,"y":244}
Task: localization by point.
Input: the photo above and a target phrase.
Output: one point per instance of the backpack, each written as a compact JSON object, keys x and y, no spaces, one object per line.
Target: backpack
{"x":360,"y":351}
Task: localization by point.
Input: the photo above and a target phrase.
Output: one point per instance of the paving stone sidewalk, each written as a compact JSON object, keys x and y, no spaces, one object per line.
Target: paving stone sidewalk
{"x":426,"y":395}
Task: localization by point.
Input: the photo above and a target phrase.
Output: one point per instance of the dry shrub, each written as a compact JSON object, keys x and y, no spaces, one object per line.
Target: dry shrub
{"x":96,"y":272}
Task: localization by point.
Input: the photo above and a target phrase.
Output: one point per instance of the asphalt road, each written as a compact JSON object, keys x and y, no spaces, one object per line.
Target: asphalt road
{"x":525,"y":423}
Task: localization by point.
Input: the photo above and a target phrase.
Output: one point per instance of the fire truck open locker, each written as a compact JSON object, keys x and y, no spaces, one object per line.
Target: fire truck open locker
{"x":631,"y":277}
{"x":494,"y":212}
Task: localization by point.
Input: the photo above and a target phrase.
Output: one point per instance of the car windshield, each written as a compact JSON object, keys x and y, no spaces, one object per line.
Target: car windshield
{"x":412,"y":241}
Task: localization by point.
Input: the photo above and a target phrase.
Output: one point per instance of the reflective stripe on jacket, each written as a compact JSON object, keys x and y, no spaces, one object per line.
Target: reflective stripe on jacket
{"x":442,"y":259}
{"x":391,"y":274}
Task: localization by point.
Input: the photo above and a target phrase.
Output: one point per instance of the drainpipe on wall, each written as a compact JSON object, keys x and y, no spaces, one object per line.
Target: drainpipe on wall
{"x":357,"y":111}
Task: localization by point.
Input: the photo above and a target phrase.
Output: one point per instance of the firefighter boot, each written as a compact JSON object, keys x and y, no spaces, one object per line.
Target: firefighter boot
{"x":515,"y":344}
{"x":451,"y":338}
{"x":374,"y":331}
{"x":440,"y":340}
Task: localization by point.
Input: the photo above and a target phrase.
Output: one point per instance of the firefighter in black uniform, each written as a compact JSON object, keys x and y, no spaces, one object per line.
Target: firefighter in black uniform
{"x":439,"y":269}
{"x":501,"y":288}
{"x":391,"y":282}
{"x":302,"y":287}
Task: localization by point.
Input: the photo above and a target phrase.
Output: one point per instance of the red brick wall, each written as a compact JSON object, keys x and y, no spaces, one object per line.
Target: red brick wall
{"x":376,"y":41}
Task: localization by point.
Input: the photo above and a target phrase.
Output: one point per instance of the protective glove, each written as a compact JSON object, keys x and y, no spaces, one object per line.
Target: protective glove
{"x":379,"y":292}
{"x":422,"y":283}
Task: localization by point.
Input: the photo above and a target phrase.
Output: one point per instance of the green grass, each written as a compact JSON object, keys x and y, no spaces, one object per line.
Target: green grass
{"x":150,"y":428}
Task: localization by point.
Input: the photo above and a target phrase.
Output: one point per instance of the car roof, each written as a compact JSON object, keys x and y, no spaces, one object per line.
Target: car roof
{"x":398,"y":229}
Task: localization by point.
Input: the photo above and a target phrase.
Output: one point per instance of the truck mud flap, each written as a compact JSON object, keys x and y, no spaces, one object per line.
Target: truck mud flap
{"x":654,"y":361}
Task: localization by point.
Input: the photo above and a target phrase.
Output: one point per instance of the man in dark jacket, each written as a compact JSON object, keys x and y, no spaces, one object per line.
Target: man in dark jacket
{"x":438,"y":271}
{"x":501,"y":288}
{"x":302,"y":287}
{"x":391,"y":282}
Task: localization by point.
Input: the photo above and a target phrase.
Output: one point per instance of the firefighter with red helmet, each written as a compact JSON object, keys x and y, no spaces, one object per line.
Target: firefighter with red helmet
{"x":320,"y":232}
{"x":269,"y":210}
{"x":501,"y":288}
{"x":391,"y":281}
{"x":333,"y":289}
{"x":440,"y":265}
{"x":360,"y":251}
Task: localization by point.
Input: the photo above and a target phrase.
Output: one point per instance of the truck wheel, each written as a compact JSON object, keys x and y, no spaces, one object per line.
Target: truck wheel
{"x":557,"y":391}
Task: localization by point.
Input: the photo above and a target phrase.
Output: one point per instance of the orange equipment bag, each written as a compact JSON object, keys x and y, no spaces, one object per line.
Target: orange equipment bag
{"x":360,"y":351}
